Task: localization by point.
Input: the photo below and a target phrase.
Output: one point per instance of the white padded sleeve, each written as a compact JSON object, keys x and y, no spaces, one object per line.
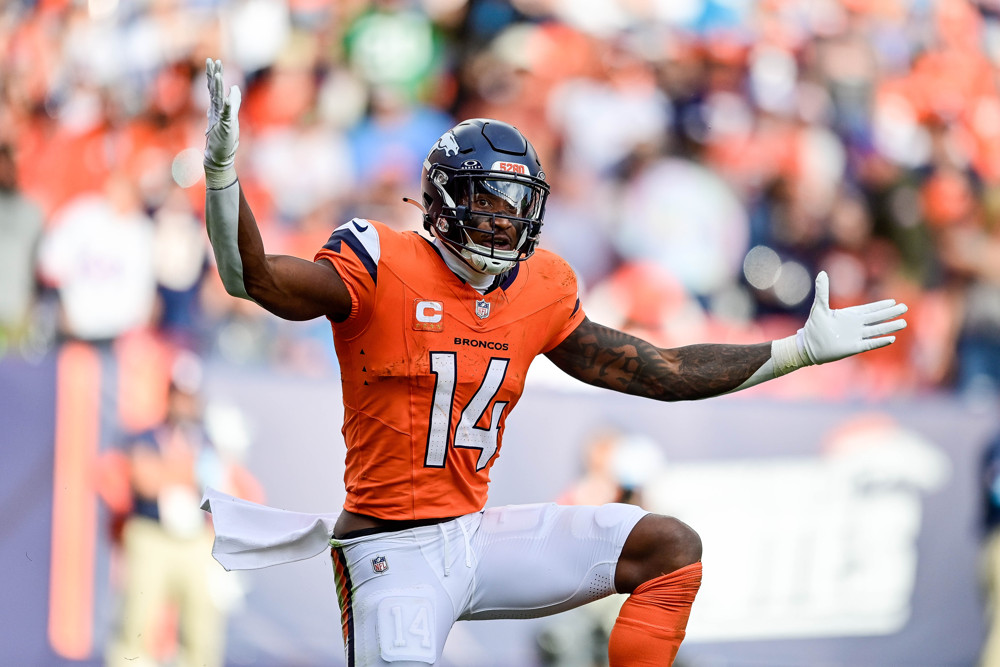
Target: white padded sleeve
{"x":222,"y":218}
{"x":786,"y":356}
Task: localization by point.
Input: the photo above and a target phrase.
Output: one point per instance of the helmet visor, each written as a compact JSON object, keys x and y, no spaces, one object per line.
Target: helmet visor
{"x":507,"y":198}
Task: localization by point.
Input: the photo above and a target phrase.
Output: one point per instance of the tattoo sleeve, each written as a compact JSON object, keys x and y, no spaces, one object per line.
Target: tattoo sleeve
{"x":608,"y":358}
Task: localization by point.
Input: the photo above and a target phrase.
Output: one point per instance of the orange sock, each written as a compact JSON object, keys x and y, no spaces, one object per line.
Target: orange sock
{"x":651,"y":623}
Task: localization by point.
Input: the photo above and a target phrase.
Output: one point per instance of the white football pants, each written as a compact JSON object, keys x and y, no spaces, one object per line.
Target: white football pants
{"x":401,"y":592}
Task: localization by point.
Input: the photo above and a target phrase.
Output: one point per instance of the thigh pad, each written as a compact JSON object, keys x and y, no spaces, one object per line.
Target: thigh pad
{"x":406,"y":627}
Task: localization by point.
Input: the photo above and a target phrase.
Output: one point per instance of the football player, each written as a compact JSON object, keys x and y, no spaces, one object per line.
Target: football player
{"x":434,"y":338}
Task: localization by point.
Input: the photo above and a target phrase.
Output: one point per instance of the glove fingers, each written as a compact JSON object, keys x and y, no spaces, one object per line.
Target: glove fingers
{"x":870,"y":307}
{"x":884,"y":328}
{"x":214,"y":100}
{"x":876,"y":343}
{"x":883,"y":315}
{"x":232,"y":106}
{"x":213,"y":71}
{"x":210,"y":80}
{"x":822,"y":297}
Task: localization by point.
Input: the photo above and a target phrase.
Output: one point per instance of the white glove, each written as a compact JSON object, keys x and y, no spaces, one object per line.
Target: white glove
{"x":829,"y":335}
{"x":222,"y":136}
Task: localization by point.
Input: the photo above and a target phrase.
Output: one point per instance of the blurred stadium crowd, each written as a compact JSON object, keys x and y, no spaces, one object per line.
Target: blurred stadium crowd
{"x":707,"y":158}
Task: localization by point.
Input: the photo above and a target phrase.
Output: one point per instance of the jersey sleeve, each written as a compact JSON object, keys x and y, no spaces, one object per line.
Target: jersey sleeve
{"x":568,"y":311}
{"x":354,"y":249}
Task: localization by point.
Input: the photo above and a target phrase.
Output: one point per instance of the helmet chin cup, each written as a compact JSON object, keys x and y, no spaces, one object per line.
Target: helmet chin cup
{"x":488,"y":265}
{"x":485,"y":261}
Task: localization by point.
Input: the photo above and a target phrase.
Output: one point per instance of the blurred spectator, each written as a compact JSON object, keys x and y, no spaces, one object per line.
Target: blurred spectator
{"x":99,"y":256}
{"x":180,"y":259}
{"x":969,"y":250}
{"x":307,"y":167}
{"x":644,"y":299}
{"x":20,"y":231}
{"x":616,"y":466}
{"x":394,"y":45}
{"x":173,"y":594}
{"x":685,"y":218}
{"x":388,"y":149}
{"x":607,"y":116}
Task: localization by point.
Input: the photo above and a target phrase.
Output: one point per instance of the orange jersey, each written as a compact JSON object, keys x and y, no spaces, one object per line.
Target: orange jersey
{"x":431,"y":368}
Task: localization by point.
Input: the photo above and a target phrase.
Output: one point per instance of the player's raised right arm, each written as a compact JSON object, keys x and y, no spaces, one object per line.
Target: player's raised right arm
{"x":289,"y":287}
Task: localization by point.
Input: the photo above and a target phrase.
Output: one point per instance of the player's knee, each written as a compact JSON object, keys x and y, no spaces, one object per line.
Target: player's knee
{"x":658,"y":545}
{"x":679,"y":545}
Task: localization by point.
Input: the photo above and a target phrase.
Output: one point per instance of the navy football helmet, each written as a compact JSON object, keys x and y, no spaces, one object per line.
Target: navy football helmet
{"x":476,"y":162}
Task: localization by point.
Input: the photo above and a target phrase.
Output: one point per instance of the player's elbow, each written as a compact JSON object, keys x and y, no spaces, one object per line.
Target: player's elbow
{"x":269,"y":295}
{"x":280,"y":302}
{"x":260,"y":282}
{"x":235,"y":289}
{"x":232,"y":282}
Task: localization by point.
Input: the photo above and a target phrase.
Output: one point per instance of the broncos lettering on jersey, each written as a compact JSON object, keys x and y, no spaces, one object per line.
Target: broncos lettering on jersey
{"x":431,"y":368}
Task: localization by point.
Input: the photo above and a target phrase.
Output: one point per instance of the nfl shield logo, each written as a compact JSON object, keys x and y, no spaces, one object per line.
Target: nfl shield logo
{"x":483,"y":309}
{"x":380,"y":564}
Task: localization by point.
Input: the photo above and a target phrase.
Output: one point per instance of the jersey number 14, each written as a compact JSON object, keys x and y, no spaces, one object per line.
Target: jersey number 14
{"x":466,"y":435}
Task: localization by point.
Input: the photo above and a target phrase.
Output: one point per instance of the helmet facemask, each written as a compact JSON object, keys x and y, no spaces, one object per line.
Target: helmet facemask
{"x":491,"y":219}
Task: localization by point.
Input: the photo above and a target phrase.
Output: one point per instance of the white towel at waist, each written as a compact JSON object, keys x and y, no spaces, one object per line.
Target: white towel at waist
{"x":250,"y":535}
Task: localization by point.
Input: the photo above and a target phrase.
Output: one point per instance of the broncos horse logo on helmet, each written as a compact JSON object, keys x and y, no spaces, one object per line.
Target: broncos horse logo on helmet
{"x":490,"y":157}
{"x":448,"y":143}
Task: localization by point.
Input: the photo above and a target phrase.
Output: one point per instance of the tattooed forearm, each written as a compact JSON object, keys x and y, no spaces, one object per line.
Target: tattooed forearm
{"x":615,"y":360}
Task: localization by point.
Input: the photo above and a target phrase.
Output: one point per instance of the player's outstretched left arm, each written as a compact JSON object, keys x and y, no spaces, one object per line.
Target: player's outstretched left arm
{"x":605,"y":357}
{"x":287,"y":286}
